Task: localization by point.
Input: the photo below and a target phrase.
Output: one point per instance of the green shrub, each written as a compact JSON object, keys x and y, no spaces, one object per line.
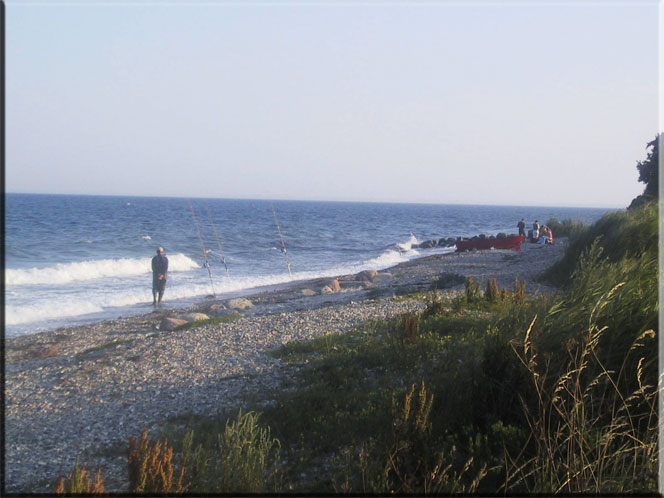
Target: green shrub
{"x":566,"y":228}
{"x":620,"y":234}
{"x":434,"y":305}
{"x":249,"y":457}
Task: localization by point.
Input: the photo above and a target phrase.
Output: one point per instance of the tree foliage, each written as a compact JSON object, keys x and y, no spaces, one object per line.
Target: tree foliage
{"x":649,"y":173}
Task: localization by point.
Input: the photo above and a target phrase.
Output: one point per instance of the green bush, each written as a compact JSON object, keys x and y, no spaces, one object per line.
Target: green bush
{"x":566,"y":228}
{"x":620,"y":234}
{"x":249,"y":457}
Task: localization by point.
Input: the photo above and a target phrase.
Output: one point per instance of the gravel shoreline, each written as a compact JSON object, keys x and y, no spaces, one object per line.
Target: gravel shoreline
{"x":85,"y":390}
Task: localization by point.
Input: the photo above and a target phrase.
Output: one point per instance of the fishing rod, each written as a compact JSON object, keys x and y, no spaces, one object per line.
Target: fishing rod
{"x":216,"y":236}
{"x":200,"y":237}
{"x":283,"y":243}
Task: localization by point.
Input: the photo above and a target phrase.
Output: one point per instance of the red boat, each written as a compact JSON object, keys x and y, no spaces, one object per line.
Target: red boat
{"x":509,"y":242}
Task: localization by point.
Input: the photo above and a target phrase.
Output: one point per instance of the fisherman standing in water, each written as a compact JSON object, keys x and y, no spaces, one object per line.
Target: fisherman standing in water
{"x":159,"y":269}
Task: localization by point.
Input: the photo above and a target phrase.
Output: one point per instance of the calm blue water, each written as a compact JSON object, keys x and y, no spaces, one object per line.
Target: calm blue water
{"x":75,"y":259}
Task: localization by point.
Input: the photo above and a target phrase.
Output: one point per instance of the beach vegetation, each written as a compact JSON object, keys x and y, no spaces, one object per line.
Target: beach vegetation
{"x":236,"y":455}
{"x":240,"y":457}
{"x":566,"y":228}
{"x":150,"y":467}
{"x":79,"y":482}
{"x":481,"y":392}
{"x":473,"y":292}
{"x":627,"y":234}
{"x":492,"y":293}
{"x":105,"y":345}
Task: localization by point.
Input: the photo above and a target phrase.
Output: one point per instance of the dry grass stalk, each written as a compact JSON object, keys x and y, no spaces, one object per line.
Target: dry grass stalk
{"x":413,"y":464}
{"x":519,"y":294}
{"x":589,"y":436}
{"x":79,"y":482}
{"x":492,"y":293}
{"x":151,"y":467}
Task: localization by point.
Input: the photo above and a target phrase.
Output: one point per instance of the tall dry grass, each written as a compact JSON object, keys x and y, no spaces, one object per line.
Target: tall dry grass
{"x":79,"y":482}
{"x":589,"y":436}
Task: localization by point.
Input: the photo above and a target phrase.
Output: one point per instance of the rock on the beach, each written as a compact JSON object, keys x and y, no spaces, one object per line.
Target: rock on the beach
{"x":382,"y":278}
{"x":170,"y":323}
{"x":366,"y":275}
{"x":428,"y":244}
{"x":215,"y":308}
{"x":224,"y":312}
{"x":309,"y":292}
{"x":194,"y":317}
{"x":331,"y":287}
{"x":239,"y":303}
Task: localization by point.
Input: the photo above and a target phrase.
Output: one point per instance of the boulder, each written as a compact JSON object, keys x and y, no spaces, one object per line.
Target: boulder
{"x":331,"y":287}
{"x":428,"y":244}
{"x":239,"y":303}
{"x":213,"y":309}
{"x":366,"y":275}
{"x":382,"y":278}
{"x":193,"y":317}
{"x":170,"y":323}
{"x":501,"y":235}
{"x":309,"y":292}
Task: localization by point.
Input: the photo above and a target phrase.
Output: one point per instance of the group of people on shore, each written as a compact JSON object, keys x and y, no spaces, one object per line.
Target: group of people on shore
{"x":540,"y":234}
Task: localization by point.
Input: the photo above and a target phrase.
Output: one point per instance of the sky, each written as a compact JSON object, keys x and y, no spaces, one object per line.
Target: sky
{"x":506,"y":103}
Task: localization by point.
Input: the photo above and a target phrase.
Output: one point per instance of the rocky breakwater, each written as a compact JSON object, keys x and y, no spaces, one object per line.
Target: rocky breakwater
{"x":452,"y":241}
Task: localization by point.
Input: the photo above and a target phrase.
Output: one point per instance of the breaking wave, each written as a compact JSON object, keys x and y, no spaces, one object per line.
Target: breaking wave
{"x":64,"y":273}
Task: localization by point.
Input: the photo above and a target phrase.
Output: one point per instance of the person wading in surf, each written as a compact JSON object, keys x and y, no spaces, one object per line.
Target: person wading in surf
{"x":159,"y":270}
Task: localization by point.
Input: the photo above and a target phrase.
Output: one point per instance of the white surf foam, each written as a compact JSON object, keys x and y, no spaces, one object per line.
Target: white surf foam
{"x":17,"y":315}
{"x":118,"y":294}
{"x":64,"y":273}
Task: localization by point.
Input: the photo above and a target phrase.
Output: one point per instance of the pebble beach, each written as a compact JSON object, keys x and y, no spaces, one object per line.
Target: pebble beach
{"x":83,"y":391}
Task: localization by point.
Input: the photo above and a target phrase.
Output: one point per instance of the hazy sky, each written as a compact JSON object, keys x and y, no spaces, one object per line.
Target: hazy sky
{"x":530,"y":103}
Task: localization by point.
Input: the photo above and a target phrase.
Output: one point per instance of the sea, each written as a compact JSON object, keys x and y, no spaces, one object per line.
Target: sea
{"x":76,"y":259}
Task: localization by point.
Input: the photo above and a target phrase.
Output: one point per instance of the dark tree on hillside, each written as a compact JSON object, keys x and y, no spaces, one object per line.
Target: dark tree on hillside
{"x":649,"y":174}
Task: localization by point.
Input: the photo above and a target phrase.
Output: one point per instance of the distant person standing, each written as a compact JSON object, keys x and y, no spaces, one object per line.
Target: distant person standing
{"x":159,"y":270}
{"x":536,"y":229}
{"x":522,"y":227}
